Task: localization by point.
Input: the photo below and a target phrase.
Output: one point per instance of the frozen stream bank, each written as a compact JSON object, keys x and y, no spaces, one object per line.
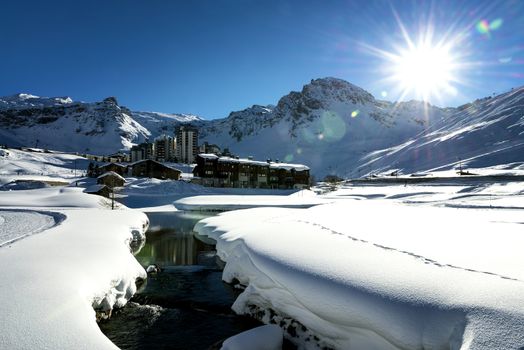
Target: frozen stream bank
{"x":50,"y":282}
{"x":378,"y":275}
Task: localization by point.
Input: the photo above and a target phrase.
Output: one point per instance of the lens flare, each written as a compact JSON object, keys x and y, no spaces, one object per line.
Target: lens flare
{"x":484,"y":27}
{"x":354,"y":113}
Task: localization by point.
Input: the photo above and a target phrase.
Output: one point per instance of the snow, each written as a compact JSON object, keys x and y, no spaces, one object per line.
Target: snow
{"x":111,"y":173}
{"x":383,"y":267}
{"x":267,"y":337}
{"x":51,"y":282}
{"x":15,"y":225}
{"x":302,"y":199}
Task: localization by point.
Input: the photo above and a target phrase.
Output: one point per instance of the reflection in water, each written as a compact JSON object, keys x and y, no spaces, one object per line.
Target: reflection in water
{"x":170,"y":241}
{"x":186,"y":305}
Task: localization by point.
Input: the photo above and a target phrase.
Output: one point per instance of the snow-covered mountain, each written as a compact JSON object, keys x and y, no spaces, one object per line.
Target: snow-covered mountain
{"x":331,"y":125}
{"x":61,"y":124}
{"x":487,"y":132}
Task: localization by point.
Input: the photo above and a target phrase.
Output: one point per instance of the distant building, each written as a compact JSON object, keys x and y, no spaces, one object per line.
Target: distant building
{"x":164,"y":149}
{"x":142,"y":151}
{"x":209,"y":148}
{"x":101,"y":190}
{"x":111,"y":180}
{"x":120,"y":169}
{"x":186,"y":144}
{"x":212,"y":170}
{"x":153,"y":169}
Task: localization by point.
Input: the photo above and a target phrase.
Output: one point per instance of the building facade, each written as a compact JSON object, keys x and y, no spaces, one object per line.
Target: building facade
{"x":164,"y":149}
{"x":186,"y":144}
{"x":142,"y":151}
{"x":212,"y":170}
{"x":153,"y":169}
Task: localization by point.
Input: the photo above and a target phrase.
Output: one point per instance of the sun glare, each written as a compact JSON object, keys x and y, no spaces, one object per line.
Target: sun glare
{"x":425,"y":70}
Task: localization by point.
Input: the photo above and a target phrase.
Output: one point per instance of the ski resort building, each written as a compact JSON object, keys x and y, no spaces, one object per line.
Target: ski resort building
{"x":215,"y":171}
{"x":164,"y":149}
{"x":186,"y":144}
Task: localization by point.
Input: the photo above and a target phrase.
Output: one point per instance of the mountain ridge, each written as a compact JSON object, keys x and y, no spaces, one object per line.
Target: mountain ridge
{"x":332,"y":125}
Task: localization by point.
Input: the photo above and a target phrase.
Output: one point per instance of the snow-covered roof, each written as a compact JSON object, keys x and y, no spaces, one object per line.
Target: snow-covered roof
{"x":154,"y":161}
{"x":111,"y":173}
{"x":289,"y":166}
{"x":94,"y":188}
{"x":117,"y":164}
{"x":242,"y":161}
{"x":208,"y":156}
{"x":273,"y":165}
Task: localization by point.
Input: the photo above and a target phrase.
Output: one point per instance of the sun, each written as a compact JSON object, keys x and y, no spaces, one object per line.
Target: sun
{"x":424,"y":70}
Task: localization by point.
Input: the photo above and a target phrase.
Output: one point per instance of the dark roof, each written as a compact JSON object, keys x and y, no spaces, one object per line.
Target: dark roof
{"x":95,"y":188}
{"x":117,"y":164}
{"x":153,"y":161}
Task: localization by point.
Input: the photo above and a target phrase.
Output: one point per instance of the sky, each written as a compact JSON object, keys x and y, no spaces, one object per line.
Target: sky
{"x":212,"y":57}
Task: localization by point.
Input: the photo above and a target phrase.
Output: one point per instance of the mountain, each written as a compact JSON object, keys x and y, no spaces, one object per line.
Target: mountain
{"x":487,"y":132}
{"x":60,"y":123}
{"x":331,"y":125}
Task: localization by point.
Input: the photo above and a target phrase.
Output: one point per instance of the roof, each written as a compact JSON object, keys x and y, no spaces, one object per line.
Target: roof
{"x":117,"y":164}
{"x":111,"y":173}
{"x":153,"y":161}
{"x":273,"y":165}
{"x":208,"y":156}
{"x":289,"y":166}
{"x":242,"y":161}
{"x":95,"y":188}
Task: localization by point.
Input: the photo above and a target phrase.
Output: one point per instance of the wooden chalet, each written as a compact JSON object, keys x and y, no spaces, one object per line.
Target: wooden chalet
{"x":101,"y":190}
{"x":120,"y":169}
{"x":153,"y":169}
{"x":111,"y":179}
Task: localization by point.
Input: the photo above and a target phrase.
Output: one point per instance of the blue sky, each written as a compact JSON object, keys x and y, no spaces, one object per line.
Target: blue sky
{"x":213,"y":57}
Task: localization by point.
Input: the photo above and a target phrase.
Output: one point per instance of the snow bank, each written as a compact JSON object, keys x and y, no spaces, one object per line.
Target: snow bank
{"x":52,"y":197}
{"x":49,"y":283}
{"x":267,"y":337}
{"x":378,"y":274}
{"x":303,"y":199}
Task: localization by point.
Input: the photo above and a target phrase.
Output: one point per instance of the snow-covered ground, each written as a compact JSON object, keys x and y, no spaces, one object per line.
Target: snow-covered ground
{"x":383,"y":267}
{"x":376,"y":265}
{"x":15,"y":225}
{"x":301,"y":199}
{"x":51,"y":282}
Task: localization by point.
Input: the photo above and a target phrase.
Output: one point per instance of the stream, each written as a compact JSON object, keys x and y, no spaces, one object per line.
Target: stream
{"x":183,"y":306}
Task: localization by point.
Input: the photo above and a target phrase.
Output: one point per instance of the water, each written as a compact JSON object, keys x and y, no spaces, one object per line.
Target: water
{"x":184,"y":306}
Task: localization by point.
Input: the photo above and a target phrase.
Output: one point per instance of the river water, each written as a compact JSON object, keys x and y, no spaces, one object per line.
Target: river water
{"x":185,"y":305}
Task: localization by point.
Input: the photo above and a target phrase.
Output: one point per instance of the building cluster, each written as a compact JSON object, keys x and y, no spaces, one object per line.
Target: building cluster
{"x":223,"y":171}
{"x":142,"y":168}
{"x":214,"y":167}
{"x":182,"y":148}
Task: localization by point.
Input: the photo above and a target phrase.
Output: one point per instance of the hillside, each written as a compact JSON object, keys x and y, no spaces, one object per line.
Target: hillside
{"x":329,"y":125}
{"x":487,"y":132}
{"x":333,"y":126}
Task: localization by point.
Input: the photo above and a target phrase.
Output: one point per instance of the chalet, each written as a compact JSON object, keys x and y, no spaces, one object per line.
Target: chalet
{"x":120,"y":169}
{"x":212,"y":170}
{"x":153,"y":169}
{"x":111,"y":179}
{"x":101,"y":190}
